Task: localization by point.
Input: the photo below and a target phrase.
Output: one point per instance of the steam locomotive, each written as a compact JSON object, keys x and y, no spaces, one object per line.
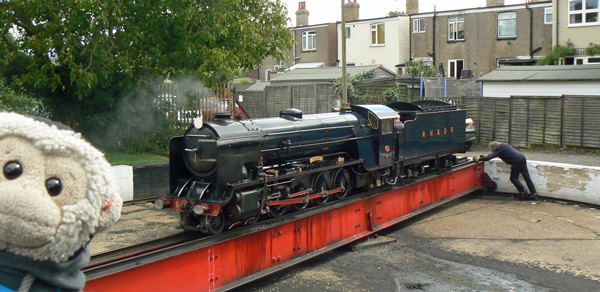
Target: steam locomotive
{"x":232,"y":171}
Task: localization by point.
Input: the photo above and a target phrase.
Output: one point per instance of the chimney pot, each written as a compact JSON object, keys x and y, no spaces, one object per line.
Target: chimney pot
{"x":352,"y":10}
{"x":302,"y":14}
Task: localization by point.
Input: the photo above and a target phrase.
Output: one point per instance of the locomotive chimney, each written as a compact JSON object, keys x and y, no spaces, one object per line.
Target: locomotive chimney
{"x":351,"y":10}
{"x":302,"y":14}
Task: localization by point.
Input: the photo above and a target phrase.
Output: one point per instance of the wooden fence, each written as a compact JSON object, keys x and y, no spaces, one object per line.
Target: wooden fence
{"x":310,"y":98}
{"x":524,"y":121}
{"x":185,"y":101}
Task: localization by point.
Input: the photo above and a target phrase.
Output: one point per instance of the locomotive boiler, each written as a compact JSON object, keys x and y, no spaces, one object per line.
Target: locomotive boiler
{"x":229,"y":172}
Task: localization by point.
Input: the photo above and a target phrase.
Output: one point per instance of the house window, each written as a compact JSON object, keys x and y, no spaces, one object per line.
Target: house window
{"x":348,"y":33}
{"x":309,"y":40}
{"x":593,"y":60}
{"x":455,"y":67}
{"x":456,"y":28}
{"x":418,"y":25}
{"x":377,"y":34}
{"x":548,"y":15}
{"x":583,"y":12}
{"x":579,"y":60}
{"x":507,"y":24}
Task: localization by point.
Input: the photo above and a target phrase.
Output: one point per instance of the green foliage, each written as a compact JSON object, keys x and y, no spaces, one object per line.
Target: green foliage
{"x":12,"y":101}
{"x":396,"y":13}
{"x":83,"y":58}
{"x":593,"y":49}
{"x":559,"y":51}
{"x":244,"y":81}
{"x":395,"y":94}
{"x":418,"y":68}
{"x":354,"y":92}
{"x":122,"y":158}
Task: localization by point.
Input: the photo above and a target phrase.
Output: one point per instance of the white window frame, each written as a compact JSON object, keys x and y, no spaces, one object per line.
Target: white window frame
{"x":506,"y":20}
{"x":309,"y":40}
{"x":377,"y":38}
{"x":580,"y":60}
{"x":455,"y":73}
{"x":584,"y":12}
{"x":419,"y":25}
{"x":455,"y":23}
{"x":587,"y":61}
{"x":348,"y":32}
{"x":548,"y":13}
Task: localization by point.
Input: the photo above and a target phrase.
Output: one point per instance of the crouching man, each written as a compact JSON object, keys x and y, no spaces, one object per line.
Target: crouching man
{"x":518,"y":165}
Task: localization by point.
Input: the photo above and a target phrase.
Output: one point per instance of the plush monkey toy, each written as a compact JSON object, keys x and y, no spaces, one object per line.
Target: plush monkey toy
{"x":56,"y":192}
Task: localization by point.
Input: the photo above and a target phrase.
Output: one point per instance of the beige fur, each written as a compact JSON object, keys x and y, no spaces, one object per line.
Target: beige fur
{"x":36,"y":224}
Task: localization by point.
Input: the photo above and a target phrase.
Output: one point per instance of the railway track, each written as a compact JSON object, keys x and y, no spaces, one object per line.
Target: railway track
{"x":109,"y":257}
{"x":137,"y":201}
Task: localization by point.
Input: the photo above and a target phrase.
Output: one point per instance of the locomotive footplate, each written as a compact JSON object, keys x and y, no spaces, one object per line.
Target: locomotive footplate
{"x":230,"y":259}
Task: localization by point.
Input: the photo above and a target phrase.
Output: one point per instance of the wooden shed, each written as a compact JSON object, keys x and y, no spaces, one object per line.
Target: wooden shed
{"x":542,"y":81}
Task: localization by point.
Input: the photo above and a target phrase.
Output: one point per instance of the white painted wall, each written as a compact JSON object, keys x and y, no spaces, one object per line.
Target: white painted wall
{"x":538,"y":88}
{"x":555,"y":180}
{"x":124,"y":179}
{"x":360,"y":51}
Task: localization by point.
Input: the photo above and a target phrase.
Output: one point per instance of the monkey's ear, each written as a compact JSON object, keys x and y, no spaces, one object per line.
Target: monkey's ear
{"x":110,"y":212}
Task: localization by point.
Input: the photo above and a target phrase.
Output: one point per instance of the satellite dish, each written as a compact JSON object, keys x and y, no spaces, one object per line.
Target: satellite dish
{"x":198,"y":122}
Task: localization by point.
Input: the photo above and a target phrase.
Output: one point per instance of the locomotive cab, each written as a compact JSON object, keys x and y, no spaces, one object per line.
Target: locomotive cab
{"x":379,"y":124}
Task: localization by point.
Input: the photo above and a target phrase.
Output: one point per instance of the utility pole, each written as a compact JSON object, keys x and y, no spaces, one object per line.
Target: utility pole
{"x":344,"y":77}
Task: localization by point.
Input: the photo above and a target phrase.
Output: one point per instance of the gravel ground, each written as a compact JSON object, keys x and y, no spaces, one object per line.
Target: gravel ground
{"x":558,"y":155}
{"x":480,"y":242}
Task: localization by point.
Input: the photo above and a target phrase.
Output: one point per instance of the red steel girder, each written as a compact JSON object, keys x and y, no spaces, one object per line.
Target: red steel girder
{"x":227,"y":264}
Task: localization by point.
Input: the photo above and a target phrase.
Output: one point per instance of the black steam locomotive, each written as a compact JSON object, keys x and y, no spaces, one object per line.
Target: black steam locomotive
{"x":229,"y":172}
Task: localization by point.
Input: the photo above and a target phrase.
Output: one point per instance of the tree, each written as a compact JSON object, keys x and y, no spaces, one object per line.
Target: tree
{"x":593,"y":49}
{"x":418,"y":68}
{"x":396,"y":13}
{"x":81,"y":56}
{"x":12,"y":101}
{"x":355,"y":93}
{"x":559,"y":51}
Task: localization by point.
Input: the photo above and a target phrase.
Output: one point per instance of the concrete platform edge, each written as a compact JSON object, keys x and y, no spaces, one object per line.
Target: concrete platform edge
{"x":553,"y":180}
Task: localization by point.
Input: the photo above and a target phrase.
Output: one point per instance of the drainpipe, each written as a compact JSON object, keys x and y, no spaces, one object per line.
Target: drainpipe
{"x":530,"y":32}
{"x":556,"y":20}
{"x":434,"y":22}
{"x":410,"y":28}
{"x":294,"y":47}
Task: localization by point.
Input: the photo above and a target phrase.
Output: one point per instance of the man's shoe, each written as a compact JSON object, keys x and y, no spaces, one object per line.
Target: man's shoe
{"x":525,"y":195}
{"x":532,"y":197}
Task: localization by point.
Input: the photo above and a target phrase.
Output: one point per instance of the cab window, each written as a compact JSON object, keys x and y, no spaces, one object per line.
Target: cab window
{"x":387,"y":126}
{"x":373,"y":121}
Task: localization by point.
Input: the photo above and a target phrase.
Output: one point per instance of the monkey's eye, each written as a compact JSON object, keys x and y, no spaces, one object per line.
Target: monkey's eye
{"x":54,"y":186}
{"x":12,"y":170}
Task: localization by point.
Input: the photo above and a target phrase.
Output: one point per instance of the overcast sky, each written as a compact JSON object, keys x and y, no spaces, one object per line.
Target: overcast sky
{"x":324,"y":11}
